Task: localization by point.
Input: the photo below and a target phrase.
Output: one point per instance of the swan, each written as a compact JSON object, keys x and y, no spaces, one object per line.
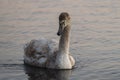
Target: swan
{"x":47,"y":53}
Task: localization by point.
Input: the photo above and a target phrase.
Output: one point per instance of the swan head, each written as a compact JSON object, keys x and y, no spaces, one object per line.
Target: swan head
{"x":64,"y":21}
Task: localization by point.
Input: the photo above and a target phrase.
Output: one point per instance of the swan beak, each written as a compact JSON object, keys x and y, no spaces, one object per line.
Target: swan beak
{"x":59,"y":31}
{"x":61,"y":27}
{"x":58,"y":34}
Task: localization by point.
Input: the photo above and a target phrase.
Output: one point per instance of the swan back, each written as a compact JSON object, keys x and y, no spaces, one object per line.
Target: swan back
{"x":39,"y":51}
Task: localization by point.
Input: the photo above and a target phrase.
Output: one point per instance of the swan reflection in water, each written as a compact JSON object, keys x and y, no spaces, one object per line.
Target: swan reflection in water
{"x":46,"y":74}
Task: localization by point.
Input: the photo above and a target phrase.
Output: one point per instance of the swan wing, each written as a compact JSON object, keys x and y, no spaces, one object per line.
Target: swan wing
{"x":37,"y":52}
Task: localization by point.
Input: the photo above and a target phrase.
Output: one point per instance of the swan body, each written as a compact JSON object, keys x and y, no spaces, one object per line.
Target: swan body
{"x":49,"y":53}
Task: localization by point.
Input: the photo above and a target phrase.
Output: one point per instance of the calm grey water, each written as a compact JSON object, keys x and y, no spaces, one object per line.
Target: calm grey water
{"x":95,"y":37}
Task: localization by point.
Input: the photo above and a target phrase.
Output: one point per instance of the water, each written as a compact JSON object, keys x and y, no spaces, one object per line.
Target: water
{"x":95,"y":37}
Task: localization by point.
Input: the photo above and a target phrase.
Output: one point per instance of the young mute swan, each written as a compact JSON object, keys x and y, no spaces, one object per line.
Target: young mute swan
{"x":46,"y":53}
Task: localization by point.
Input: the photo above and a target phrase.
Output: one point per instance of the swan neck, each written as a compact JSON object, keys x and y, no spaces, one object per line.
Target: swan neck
{"x":64,"y":41}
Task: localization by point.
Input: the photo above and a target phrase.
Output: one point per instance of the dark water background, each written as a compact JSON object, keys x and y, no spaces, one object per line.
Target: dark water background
{"x":95,"y":37}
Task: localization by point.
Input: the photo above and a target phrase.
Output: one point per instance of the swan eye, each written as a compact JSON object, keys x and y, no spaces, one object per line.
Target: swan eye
{"x":62,"y":23}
